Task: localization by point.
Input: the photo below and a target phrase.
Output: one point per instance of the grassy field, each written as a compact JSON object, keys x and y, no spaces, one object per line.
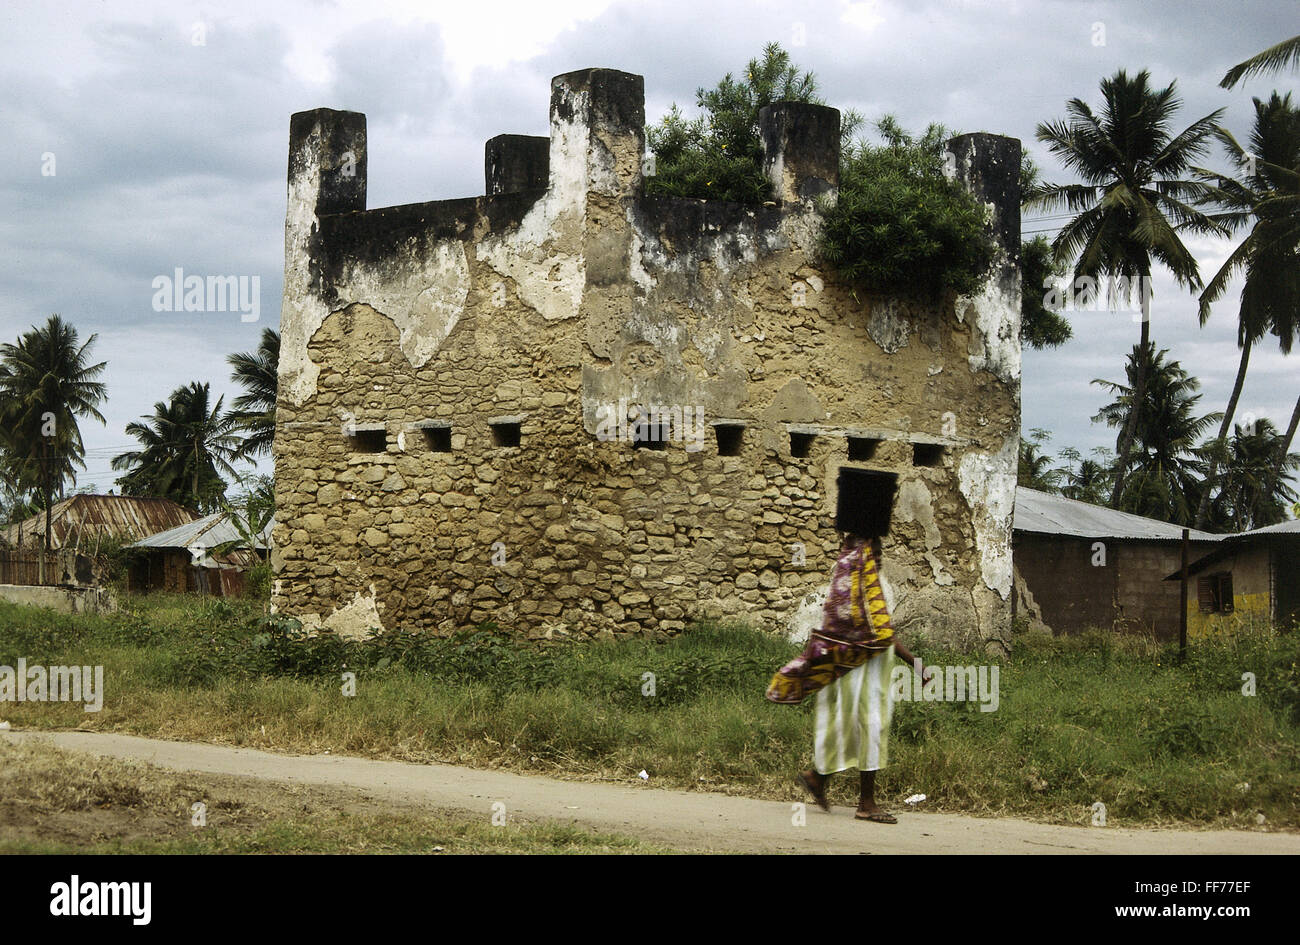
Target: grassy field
{"x":1080,"y":720}
{"x":54,"y":801}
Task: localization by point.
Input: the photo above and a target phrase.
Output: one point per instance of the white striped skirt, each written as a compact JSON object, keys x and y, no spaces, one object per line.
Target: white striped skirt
{"x":852,"y":718}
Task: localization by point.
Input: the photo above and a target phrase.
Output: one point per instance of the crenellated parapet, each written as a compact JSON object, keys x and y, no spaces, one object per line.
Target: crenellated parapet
{"x":574,"y":408}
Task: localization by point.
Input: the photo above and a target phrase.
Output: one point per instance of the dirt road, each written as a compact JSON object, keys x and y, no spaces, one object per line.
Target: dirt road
{"x":685,"y":820}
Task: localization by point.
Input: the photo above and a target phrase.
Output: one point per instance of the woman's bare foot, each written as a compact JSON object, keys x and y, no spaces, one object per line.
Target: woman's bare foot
{"x":815,"y":784}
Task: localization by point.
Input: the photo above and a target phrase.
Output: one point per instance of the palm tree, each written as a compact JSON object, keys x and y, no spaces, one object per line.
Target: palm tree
{"x":1166,"y":477}
{"x":46,"y":385}
{"x":254,"y":410}
{"x":18,"y":481}
{"x":1273,"y":59}
{"x":1035,"y":470}
{"x":187,"y":446}
{"x":1090,"y":482}
{"x":1134,"y":199}
{"x":1248,"y":497}
{"x":1268,"y":194}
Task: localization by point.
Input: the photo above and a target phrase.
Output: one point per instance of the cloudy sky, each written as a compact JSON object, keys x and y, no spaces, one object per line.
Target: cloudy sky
{"x":165,"y":127}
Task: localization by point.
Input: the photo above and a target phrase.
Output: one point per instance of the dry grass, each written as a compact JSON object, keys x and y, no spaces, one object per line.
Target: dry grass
{"x":55,"y":801}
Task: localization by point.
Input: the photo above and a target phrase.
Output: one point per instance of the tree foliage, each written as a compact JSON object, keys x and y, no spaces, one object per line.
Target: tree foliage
{"x":253,"y":412}
{"x":1265,"y":196}
{"x":249,"y":515}
{"x":1136,"y":195}
{"x":1273,"y":59}
{"x":719,"y":155}
{"x":47,"y":384}
{"x":899,"y":226}
{"x":1135,"y":198}
{"x":1248,"y":495}
{"x":1166,"y":472}
{"x":186,"y":446}
{"x":1040,"y":326}
{"x":1034,"y":469}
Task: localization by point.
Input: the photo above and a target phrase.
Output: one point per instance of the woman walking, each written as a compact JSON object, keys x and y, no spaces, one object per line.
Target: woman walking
{"x":847,"y":662}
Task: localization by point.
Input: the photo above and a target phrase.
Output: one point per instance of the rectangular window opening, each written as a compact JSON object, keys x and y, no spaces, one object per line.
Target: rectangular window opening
{"x":1214,"y":593}
{"x":862,"y":448}
{"x":505,"y":433}
{"x":437,"y":439}
{"x":367,"y":441}
{"x":801,"y":444}
{"x":650,"y":436}
{"x":730,"y":438}
{"x":927,"y":454}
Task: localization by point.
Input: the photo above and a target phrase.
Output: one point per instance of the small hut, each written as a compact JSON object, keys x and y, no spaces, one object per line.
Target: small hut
{"x":183,"y":559}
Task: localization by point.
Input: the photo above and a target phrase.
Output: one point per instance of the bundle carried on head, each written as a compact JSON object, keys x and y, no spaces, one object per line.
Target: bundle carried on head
{"x":865,"y":502}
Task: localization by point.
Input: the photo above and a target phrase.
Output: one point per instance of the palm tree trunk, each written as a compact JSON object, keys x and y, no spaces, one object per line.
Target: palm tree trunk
{"x":1283,"y":448}
{"x":1203,"y":508}
{"x":47,"y":492}
{"x":1139,"y":395}
{"x":45,"y":495}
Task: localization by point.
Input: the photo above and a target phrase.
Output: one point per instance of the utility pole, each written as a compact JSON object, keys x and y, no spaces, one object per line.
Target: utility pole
{"x":1182,"y":611}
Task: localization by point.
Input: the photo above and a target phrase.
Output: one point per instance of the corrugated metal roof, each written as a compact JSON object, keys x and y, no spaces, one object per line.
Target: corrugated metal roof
{"x":1046,"y":514}
{"x":1239,"y":543}
{"x":200,"y":535}
{"x":1281,"y":528}
{"x":79,"y":520}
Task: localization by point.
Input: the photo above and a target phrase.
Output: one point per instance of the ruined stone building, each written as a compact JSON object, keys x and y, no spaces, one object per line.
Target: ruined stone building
{"x":571,"y":408}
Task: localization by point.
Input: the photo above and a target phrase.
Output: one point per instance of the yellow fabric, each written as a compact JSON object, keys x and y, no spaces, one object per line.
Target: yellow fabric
{"x":856,"y":625}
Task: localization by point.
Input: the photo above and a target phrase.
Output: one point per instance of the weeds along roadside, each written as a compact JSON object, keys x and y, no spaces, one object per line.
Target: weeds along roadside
{"x":1081,"y":719}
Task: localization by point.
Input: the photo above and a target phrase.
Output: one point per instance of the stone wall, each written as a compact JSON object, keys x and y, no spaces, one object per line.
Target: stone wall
{"x":420,"y":341}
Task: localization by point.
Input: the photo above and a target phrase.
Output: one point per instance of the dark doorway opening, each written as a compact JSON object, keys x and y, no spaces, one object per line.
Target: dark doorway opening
{"x":438,"y":439}
{"x":367,"y":439}
{"x":650,"y":436}
{"x":927,"y":454}
{"x":1286,"y":564}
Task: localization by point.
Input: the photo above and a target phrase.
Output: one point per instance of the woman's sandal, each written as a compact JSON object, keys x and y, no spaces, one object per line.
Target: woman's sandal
{"x":818,"y":795}
{"x":878,"y":817}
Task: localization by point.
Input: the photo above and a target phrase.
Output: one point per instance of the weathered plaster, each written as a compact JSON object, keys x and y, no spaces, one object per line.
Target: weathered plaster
{"x":988,"y":481}
{"x":915,"y":504}
{"x":888,"y":326}
{"x":423,"y":325}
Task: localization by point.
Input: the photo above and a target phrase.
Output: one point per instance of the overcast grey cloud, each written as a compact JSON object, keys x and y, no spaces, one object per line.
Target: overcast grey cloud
{"x":172,"y":154}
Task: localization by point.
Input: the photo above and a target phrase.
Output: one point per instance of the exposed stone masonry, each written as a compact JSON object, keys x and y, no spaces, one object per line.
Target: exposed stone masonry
{"x":566,"y":297}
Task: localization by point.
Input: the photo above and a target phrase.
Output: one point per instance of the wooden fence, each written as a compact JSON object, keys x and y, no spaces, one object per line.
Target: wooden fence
{"x":27,"y":567}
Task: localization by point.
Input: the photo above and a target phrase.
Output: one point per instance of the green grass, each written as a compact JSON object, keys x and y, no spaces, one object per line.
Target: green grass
{"x":1081,"y":719}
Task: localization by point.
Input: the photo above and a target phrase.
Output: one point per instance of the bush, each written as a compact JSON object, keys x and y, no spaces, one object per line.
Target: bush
{"x":899,"y":226}
{"x":721,"y":157}
{"x":257,"y":583}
